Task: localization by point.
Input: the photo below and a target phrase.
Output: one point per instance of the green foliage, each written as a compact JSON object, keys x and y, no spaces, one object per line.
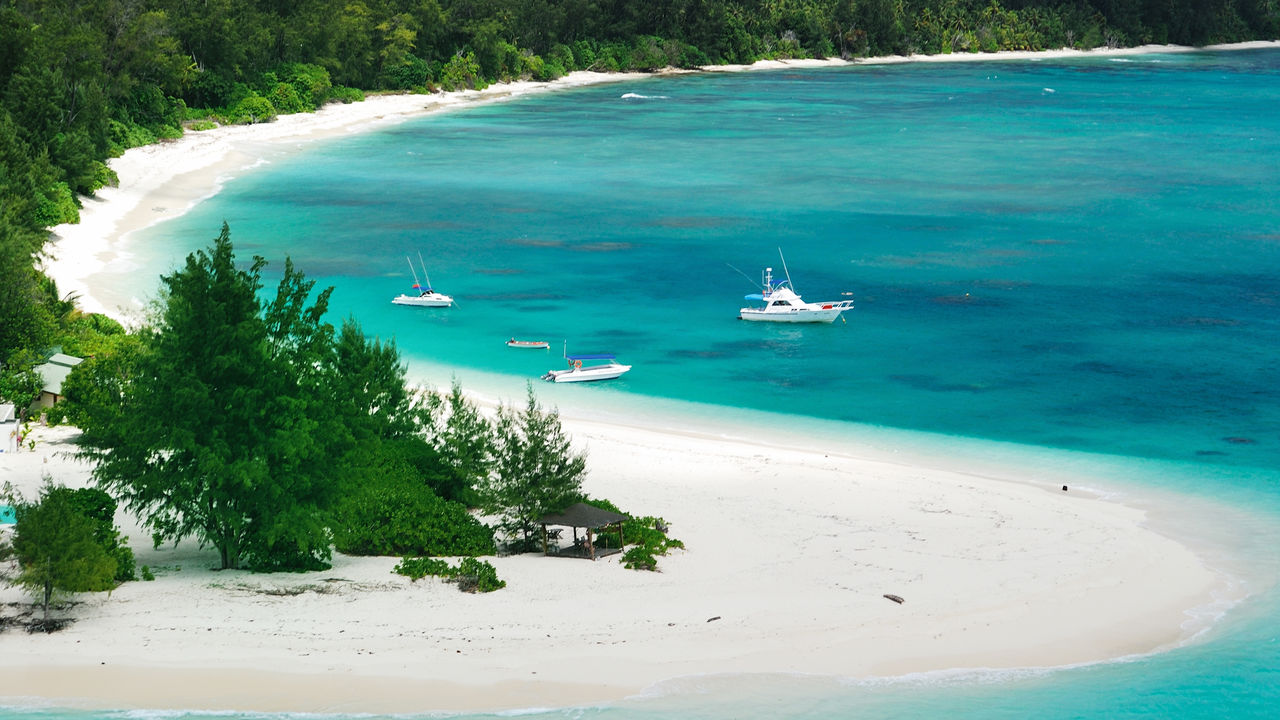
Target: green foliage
{"x":345,"y":95}
{"x":465,"y":447}
{"x":55,"y":205}
{"x":223,"y":426}
{"x":284,"y":98}
{"x":58,"y":549}
{"x":83,"y":335}
{"x":478,"y":576}
{"x":147,"y":575}
{"x":100,"y":508}
{"x":95,"y":392}
{"x":251,"y":110}
{"x":418,"y":568}
{"x":470,"y":574}
{"x":461,"y":72}
{"x":639,"y":558}
{"x":536,"y":471}
{"x":19,"y":382}
{"x":648,"y":535}
{"x":310,"y":82}
{"x":413,"y":73}
{"x":391,"y":512}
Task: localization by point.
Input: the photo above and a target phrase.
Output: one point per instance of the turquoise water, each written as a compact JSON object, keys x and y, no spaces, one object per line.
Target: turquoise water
{"x":1072,"y":264}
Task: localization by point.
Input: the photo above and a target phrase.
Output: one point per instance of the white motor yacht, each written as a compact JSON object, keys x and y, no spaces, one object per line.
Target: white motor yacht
{"x":782,"y":304}
{"x":426,"y":297}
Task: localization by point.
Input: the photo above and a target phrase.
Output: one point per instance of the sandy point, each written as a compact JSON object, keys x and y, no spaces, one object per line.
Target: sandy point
{"x":790,"y":554}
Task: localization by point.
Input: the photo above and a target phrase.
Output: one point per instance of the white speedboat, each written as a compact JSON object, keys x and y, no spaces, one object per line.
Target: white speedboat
{"x":425,"y":297}
{"x":782,"y":304}
{"x":578,"y":372}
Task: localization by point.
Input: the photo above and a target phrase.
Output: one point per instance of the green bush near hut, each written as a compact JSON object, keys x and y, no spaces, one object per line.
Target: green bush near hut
{"x":394,"y":513}
{"x":470,"y":574}
{"x":647,"y":534}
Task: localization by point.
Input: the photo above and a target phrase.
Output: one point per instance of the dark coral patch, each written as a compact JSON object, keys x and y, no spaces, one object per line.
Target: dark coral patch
{"x":1236,"y":440}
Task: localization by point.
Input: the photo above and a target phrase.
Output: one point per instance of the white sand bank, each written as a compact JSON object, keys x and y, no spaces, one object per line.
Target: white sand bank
{"x":789,"y":556}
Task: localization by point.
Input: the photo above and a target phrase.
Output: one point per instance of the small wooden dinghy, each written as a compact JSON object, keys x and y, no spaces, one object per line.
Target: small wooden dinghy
{"x":530,"y":344}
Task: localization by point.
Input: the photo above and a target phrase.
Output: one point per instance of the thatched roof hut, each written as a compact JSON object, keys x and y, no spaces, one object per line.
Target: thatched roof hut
{"x":581,"y":515}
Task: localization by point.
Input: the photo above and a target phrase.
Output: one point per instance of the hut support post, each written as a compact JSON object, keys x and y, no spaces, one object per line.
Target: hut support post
{"x":590,"y":548}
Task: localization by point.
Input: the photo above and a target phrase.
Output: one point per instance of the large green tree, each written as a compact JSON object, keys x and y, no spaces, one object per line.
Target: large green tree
{"x":224,"y":429}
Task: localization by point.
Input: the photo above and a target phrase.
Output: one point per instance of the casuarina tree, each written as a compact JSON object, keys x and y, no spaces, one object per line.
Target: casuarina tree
{"x":536,"y":471}
{"x":225,"y":430}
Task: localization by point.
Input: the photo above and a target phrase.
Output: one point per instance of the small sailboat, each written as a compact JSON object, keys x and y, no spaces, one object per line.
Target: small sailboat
{"x":529,"y":344}
{"x":426,"y":297}
{"x":578,"y":372}
{"x":783,"y":304}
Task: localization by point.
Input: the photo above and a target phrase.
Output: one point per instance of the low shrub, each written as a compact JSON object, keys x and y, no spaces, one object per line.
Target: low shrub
{"x":392,"y":512}
{"x":648,"y":535}
{"x":251,"y":110}
{"x":639,"y":558}
{"x":344,"y":95}
{"x":418,"y":568}
{"x":471,"y":575}
{"x":478,"y":576}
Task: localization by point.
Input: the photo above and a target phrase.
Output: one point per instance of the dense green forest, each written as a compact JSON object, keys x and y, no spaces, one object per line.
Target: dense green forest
{"x":82,"y":80}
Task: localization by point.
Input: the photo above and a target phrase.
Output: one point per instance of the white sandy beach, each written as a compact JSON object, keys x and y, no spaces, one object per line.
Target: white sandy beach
{"x":790,"y":551}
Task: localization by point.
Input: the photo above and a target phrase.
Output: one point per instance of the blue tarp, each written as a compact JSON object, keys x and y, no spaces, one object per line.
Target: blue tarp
{"x":593,"y":356}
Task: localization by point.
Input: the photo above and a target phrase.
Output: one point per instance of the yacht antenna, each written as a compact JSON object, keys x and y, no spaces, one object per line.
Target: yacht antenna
{"x":784,"y":269}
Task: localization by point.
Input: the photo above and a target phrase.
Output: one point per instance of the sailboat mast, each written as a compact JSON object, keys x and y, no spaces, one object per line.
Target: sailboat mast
{"x":415,"y":272}
{"x":424,"y":269}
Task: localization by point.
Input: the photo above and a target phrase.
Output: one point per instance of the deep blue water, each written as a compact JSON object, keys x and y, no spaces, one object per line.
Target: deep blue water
{"x":1081,"y":258}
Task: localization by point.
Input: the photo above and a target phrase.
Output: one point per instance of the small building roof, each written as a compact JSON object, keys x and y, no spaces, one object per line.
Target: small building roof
{"x":53,"y":372}
{"x":584,"y":516}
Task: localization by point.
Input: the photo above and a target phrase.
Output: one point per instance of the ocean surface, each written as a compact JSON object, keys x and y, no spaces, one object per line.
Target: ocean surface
{"x":1071,"y":266}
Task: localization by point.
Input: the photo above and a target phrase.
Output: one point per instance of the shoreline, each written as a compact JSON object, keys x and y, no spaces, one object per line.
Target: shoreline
{"x":791,"y":548}
{"x":998,"y":574}
{"x":163,"y":181}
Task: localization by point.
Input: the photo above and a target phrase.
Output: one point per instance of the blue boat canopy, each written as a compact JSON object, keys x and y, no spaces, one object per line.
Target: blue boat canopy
{"x":592,"y":356}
